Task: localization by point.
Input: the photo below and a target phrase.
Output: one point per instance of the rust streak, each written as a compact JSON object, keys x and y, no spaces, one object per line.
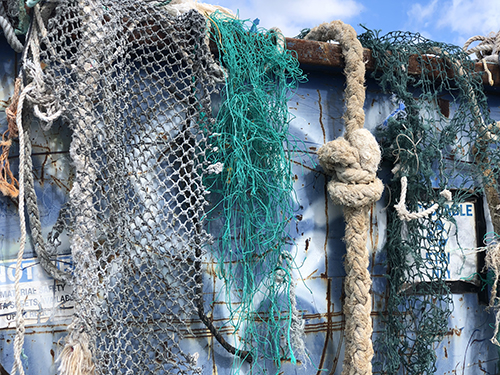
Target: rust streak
{"x":328,"y":329}
{"x":339,"y":347}
{"x":59,"y":183}
{"x":327,"y":229}
{"x":211,"y":344}
{"x":42,"y":168}
{"x":312,"y":273}
{"x":321,"y":116}
{"x":214,"y":366}
{"x":371,"y":228}
{"x":328,"y":288}
{"x":306,"y":167}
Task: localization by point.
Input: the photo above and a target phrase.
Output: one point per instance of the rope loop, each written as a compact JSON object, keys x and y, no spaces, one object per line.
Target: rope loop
{"x":488,"y":48}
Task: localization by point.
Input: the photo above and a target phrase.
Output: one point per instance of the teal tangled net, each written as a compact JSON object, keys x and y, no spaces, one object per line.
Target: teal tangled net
{"x":435,"y":151}
{"x":252,"y":196}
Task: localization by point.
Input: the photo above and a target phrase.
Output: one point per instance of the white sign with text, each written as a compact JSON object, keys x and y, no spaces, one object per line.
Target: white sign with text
{"x":43,"y":298}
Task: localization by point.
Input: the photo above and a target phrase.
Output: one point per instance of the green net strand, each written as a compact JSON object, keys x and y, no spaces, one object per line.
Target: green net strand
{"x":435,"y":151}
{"x":252,"y":198}
{"x":23,"y":19}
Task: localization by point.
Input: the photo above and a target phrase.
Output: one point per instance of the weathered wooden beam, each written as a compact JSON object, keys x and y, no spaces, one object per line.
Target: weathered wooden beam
{"x":330,"y":55}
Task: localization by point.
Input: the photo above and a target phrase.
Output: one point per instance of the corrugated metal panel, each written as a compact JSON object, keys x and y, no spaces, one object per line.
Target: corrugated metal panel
{"x":318,"y":109}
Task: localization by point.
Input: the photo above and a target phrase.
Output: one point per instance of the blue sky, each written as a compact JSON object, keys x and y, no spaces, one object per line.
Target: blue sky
{"x":450,"y":21}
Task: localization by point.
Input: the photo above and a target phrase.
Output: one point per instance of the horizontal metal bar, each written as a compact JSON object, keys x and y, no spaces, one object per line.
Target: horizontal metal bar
{"x":322,"y":54}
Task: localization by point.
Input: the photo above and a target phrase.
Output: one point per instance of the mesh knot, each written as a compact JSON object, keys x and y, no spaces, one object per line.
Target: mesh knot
{"x":353,"y":165}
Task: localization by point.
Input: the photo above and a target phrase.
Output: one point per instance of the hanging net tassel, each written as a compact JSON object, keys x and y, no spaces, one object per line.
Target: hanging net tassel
{"x":353,"y":162}
{"x":76,"y":357}
{"x":253,"y":193}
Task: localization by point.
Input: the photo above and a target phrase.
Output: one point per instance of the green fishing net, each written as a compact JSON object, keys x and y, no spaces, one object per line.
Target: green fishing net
{"x":436,"y":148}
{"x":251,"y":196}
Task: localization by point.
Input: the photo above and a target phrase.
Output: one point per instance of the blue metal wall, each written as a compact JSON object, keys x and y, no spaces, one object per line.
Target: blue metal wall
{"x":317,"y":108}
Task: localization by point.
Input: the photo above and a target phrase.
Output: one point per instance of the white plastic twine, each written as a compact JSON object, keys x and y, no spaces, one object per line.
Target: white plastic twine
{"x":406,"y":215}
{"x":20,"y":330}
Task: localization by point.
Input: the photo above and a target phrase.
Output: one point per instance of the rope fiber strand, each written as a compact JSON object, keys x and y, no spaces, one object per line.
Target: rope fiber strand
{"x":20,"y":330}
{"x":9,"y":32}
{"x":352,"y":161}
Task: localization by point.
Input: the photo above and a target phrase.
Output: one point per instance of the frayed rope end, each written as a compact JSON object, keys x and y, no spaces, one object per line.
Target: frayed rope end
{"x":76,"y":357}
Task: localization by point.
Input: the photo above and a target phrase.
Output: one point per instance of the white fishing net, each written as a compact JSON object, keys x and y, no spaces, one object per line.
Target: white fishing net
{"x":134,"y":86}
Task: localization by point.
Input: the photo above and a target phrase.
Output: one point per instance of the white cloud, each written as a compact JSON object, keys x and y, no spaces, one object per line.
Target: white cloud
{"x":471,"y":17}
{"x":460,"y":19}
{"x":293,"y":15}
{"x":422,"y":14}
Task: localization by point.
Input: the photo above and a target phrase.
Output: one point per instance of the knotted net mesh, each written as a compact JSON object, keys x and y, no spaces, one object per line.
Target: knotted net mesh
{"x":252,"y":197}
{"x":157,"y":164}
{"x":134,"y":85}
{"x":440,"y":138}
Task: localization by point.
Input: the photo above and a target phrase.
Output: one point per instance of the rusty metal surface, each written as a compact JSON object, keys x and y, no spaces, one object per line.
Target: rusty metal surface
{"x":318,"y":108}
{"x":51,"y":169}
{"x":329,"y":55}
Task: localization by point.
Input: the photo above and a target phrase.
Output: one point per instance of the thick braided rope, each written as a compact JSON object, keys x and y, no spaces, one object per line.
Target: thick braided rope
{"x":77,"y":356}
{"x":41,"y":96}
{"x":353,"y":162}
{"x":354,"y":71}
{"x":487,"y":50}
{"x":19,"y":339}
{"x":35,"y":224}
{"x":37,"y":95}
{"x":8,"y":31}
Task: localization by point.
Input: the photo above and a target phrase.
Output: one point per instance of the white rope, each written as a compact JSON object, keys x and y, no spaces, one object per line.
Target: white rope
{"x":487,"y":70}
{"x":19,"y":339}
{"x":45,"y":104}
{"x":488,"y":48}
{"x":9,"y":32}
{"x":353,"y":161}
{"x":406,"y":215}
{"x":486,"y":51}
{"x":492,"y":262}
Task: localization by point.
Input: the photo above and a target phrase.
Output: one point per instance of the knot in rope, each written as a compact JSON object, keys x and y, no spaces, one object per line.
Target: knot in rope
{"x":486,"y":51}
{"x":353,"y":165}
{"x":353,"y":162}
{"x":492,"y":262}
{"x":45,"y":104}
